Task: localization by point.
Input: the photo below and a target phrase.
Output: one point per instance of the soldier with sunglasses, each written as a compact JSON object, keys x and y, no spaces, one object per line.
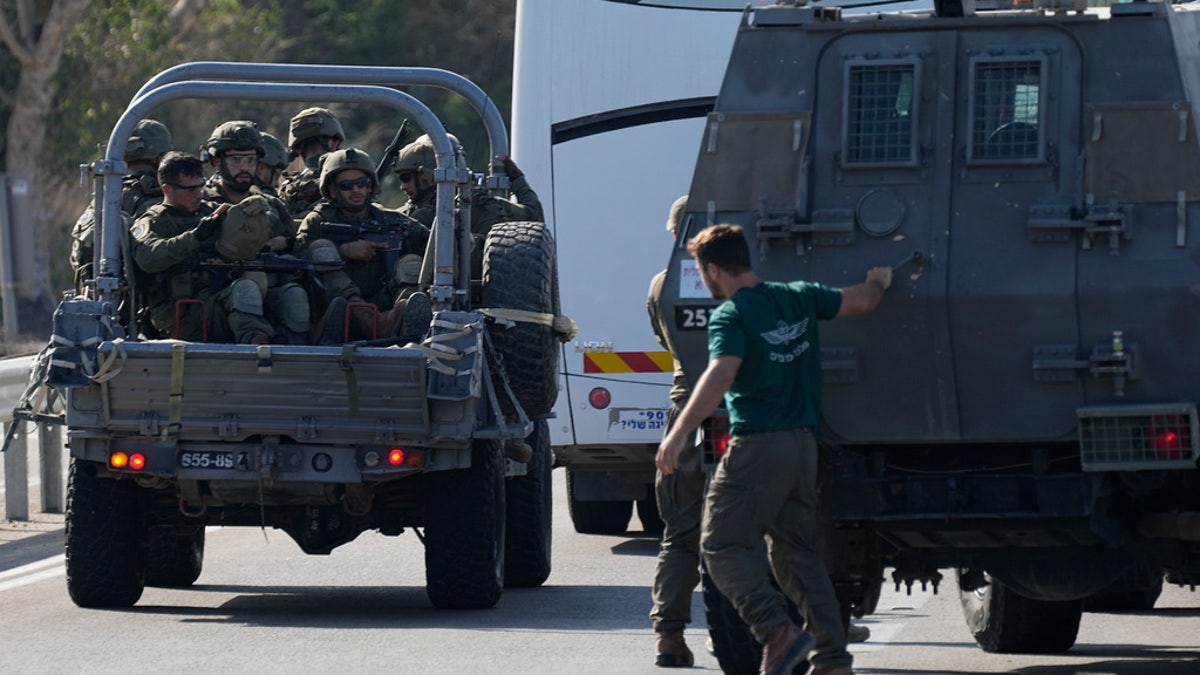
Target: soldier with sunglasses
{"x":381,"y":251}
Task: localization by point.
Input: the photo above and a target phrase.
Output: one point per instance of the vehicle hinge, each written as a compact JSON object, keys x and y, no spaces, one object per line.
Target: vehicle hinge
{"x":227,"y":427}
{"x":385,"y":431}
{"x":1056,"y":223}
{"x":306,"y":428}
{"x":828,"y":227}
{"x":1061,"y":363}
{"x":839,"y":365}
{"x":148,"y":425}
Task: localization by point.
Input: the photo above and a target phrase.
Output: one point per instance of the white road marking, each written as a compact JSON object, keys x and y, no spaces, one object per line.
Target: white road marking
{"x":33,"y":572}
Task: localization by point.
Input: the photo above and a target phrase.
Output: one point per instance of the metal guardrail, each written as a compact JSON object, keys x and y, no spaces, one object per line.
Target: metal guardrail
{"x":14,"y":376}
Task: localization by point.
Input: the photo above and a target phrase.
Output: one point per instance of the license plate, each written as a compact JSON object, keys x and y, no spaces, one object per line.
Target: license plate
{"x":207,"y":460}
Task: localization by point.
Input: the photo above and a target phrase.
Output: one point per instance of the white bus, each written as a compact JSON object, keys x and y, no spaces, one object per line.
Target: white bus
{"x":609,"y":98}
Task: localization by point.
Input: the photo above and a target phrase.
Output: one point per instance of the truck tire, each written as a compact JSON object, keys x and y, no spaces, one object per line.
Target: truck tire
{"x":106,"y":539}
{"x":174,"y":560}
{"x":1004,"y":622}
{"x":519,"y":272}
{"x":464,"y":532}
{"x":607,"y":517}
{"x":735,"y":647}
{"x":1135,"y":591}
{"x":529,"y":507}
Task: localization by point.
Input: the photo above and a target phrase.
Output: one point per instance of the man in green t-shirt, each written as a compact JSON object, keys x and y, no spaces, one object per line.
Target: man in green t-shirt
{"x":764,"y":359}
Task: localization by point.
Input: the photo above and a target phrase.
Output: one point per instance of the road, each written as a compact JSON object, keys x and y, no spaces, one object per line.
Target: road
{"x":262,"y":606}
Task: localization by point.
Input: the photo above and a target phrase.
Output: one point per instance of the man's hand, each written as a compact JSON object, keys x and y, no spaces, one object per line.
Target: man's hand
{"x":510,"y":167}
{"x":360,"y":249}
{"x":210,"y":225}
{"x":277,"y":244}
{"x":881,"y":275}
{"x":667,"y":459}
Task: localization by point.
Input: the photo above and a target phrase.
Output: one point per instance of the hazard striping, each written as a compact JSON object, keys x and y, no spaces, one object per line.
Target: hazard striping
{"x":33,"y":572}
{"x":628,"y":362}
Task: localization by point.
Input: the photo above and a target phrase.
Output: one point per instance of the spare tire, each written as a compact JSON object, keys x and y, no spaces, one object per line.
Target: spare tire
{"x":519,"y":272}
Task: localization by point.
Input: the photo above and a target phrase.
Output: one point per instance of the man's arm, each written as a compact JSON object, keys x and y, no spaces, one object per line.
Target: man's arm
{"x":864,"y":297}
{"x":713,"y":384}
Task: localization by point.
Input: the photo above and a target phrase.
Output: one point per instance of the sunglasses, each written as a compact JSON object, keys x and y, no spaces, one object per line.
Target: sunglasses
{"x":186,"y":188}
{"x":406,"y":176}
{"x":363,"y":182}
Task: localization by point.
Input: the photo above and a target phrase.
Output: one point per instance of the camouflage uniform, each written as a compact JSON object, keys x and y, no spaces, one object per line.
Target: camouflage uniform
{"x":301,"y":191}
{"x":168,"y":253}
{"x":139,"y":191}
{"x":287,"y":299}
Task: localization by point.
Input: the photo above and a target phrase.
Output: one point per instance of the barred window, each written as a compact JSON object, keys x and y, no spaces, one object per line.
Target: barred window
{"x":1005,"y":110}
{"x":879,"y":113}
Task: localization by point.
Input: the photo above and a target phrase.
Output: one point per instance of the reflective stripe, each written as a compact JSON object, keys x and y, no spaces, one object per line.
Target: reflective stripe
{"x":628,"y":362}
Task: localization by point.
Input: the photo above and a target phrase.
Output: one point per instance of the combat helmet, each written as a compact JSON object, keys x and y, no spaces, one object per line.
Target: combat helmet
{"x":276,"y":155}
{"x":234,"y":135}
{"x":676,"y":215}
{"x":340,"y":160}
{"x":313,"y":122}
{"x":420,"y":154}
{"x":150,"y":138}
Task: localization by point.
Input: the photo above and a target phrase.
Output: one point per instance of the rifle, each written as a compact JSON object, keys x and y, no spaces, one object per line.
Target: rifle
{"x":392,"y":151}
{"x":370,"y":230}
{"x":271,"y":263}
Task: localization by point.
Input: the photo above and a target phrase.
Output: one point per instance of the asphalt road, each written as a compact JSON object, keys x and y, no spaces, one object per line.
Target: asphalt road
{"x":262,"y":606}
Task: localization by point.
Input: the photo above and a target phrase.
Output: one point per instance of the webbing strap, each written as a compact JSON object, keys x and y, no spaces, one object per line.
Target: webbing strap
{"x":347,"y":365}
{"x":175,"y":399}
{"x":563,"y":326}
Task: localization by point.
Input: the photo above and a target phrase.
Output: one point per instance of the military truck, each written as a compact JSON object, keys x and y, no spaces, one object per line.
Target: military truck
{"x":1022,"y":407}
{"x":322,"y":442}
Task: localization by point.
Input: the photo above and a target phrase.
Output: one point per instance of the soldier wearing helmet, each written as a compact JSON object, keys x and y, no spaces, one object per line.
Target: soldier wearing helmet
{"x":381,"y":251}
{"x":140,"y":190}
{"x":271,"y":165}
{"x":415,"y":165}
{"x":312,"y":134}
{"x":235,"y":149}
{"x":169,"y":242}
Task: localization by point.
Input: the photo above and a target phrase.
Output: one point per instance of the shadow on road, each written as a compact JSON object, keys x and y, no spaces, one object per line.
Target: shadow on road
{"x":31,"y":549}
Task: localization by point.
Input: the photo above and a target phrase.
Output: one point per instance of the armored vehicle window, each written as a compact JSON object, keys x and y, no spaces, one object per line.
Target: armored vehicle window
{"x":879,"y":113}
{"x":1006,"y":110}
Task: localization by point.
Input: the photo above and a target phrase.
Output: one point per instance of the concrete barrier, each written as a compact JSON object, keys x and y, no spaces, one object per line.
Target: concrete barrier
{"x":14,"y":377}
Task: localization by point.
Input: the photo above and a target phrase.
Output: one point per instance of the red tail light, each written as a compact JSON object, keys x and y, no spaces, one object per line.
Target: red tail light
{"x":137,"y":461}
{"x":716,"y":436}
{"x":396,"y":457}
{"x":1171,"y":436}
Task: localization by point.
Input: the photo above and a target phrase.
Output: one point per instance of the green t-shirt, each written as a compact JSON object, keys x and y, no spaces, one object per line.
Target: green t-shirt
{"x":772,"y":327}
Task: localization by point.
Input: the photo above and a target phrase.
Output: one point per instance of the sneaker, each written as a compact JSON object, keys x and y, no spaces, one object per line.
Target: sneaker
{"x":671,"y":651}
{"x":415,"y":319}
{"x":331,"y":329}
{"x":786,"y":646}
{"x":858,"y":633}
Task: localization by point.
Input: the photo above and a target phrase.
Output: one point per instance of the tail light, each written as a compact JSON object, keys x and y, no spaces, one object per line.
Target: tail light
{"x":715,"y":437}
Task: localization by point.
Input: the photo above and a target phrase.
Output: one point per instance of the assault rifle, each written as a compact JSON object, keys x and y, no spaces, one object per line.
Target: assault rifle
{"x":392,"y":151}
{"x":271,"y":263}
{"x":370,"y":230}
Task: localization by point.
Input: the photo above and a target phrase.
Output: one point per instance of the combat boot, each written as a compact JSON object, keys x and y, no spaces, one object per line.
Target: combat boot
{"x":671,"y":651}
{"x":408,"y":319}
{"x":331,"y":328}
{"x":785,"y":647}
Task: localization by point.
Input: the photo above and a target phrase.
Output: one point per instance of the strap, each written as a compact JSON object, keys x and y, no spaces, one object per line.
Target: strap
{"x":175,"y":399}
{"x":347,"y":365}
{"x":563,"y":326}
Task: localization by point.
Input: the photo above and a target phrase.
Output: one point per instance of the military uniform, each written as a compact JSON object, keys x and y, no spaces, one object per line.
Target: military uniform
{"x":379,"y":279}
{"x":139,"y":191}
{"x":300,"y":191}
{"x":168,"y":256}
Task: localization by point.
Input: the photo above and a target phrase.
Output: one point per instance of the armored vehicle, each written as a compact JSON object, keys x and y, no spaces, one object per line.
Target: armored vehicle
{"x":1022,"y":407}
{"x":323,"y":442}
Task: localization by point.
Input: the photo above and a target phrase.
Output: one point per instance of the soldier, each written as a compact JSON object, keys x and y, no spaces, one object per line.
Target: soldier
{"x":236,"y":149}
{"x":415,"y":165}
{"x":168,"y":242}
{"x":140,"y":190}
{"x":381,"y":269}
{"x":271,"y":165}
{"x":312,"y":134}
{"x":680,"y":504}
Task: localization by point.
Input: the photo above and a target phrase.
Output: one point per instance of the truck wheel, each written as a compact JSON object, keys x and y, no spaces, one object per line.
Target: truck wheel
{"x":464,"y":532}
{"x":529,"y":508}
{"x":106,"y":539}
{"x":519,"y":272}
{"x":1135,"y":591}
{"x":174,"y":560}
{"x":1006,"y":623}
{"x":735,"y":647}
{"x":608,"y":517}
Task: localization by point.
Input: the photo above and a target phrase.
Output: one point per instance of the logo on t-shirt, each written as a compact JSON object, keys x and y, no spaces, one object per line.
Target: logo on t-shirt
{"x":784,"y":335}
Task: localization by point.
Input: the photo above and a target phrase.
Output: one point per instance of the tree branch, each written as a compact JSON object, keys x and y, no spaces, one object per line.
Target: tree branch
{"x":19,"y":51}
